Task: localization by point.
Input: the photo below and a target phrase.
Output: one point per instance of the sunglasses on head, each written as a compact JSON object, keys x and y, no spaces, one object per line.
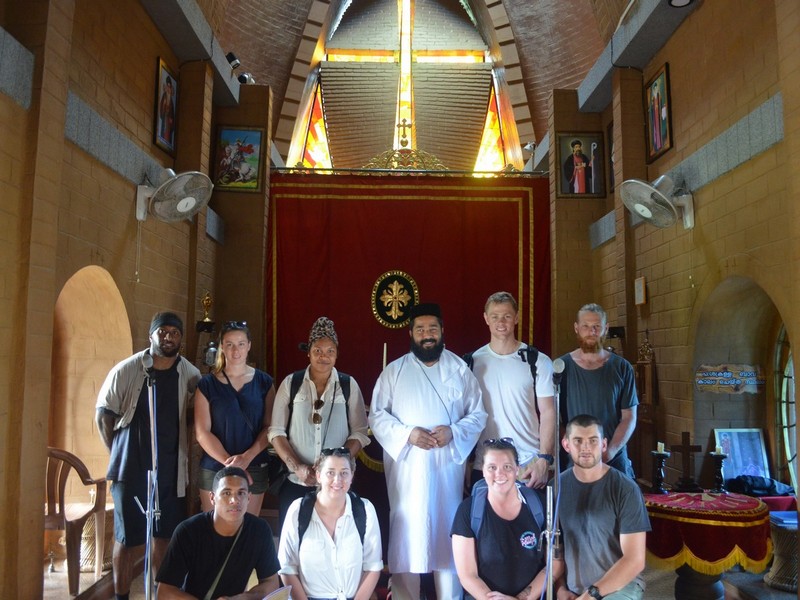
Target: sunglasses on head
{"x":231,"y":325}
{"x":342,"y":451}
{"x":504,"y":441}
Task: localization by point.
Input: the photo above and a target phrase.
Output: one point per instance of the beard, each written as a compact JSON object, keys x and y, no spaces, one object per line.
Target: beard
{"x":586,"y":463}
{"x":159,"y":350}
{"x":592,"y":346}
{"x":428,"y":355}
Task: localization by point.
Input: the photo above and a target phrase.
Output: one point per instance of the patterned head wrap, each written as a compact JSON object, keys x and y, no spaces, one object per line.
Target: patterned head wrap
{"x":322,"y":328}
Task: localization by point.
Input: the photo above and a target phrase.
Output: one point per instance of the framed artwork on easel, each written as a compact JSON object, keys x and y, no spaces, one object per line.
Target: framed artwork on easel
{"x":747,"y":454}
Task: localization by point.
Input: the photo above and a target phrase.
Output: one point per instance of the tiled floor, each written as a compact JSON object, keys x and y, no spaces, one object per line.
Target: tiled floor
{"x":55,"y":583}
{"x":660,"y":586}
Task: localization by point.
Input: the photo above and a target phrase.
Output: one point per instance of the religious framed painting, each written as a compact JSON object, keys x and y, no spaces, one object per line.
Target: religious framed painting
{"x":239,"y":158}
{"x":658,"y":114}
{"x":166,"y":111}
{"x":747,"y":454}
{"x":581,"y":166}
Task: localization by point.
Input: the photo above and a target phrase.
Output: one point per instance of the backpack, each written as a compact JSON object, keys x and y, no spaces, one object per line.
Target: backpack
{"x":479,"y":493}
{"x":307,"y":507}
{"x":529,"y":354}
{"x":297,"y":381}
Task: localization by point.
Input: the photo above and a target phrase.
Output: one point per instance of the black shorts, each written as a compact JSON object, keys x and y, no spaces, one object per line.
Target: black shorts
{"x":259,"y":475}
{"x":130,"y":523}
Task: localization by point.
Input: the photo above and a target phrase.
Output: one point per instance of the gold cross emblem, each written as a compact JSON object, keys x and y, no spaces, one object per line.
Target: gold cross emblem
{"x":395,"y":297}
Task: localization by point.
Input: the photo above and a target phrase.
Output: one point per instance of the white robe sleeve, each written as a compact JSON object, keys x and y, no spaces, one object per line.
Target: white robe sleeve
{"x":472,"y":415}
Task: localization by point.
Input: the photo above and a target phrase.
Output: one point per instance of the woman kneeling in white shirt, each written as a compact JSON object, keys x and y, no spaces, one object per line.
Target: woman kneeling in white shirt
{"x":331,"y":562}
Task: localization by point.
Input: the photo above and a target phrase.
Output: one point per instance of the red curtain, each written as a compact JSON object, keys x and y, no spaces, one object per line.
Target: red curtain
{"x":460,"y":238}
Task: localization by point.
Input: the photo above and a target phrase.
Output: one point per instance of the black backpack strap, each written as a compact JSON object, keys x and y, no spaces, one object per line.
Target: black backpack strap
{"x":533,"y":502}
{"x":359,"y":514}
{"x":530,"y":354}
{"x":467,"y":358}
{"x":478,"y":505}
{"x":304,"y":514}
{"x":297,"y":381}
{"x":307,"y":509}
{"x":344,"y":382}
{"x":533,"y":356}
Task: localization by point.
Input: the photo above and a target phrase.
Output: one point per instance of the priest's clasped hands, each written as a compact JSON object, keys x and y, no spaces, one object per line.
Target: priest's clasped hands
{"x":438,"y":437}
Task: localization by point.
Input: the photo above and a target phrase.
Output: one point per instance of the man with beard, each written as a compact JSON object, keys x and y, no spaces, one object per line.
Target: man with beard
{"x":123,"y":420}
{"x":603,"y":512}
{"x":427,"y":414}
{"x":599,"y":383}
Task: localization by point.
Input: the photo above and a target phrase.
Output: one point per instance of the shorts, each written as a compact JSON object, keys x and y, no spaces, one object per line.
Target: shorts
{"x":259,"y":475}
{"x":130,"y":523}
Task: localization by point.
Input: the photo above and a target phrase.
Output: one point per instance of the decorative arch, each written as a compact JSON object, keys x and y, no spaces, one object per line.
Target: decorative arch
{"x":91,"y":333}
{"x":737,"y":325}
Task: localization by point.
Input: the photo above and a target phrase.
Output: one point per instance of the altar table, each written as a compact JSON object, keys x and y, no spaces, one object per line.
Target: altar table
{"x":701,"y":535}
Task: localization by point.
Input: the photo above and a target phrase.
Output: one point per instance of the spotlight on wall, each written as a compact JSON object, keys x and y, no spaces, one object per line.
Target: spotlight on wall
{"x":679,"y":3}
{"x":530,"y":147}
{"x":246,"y":78}
{"x":232,"y":60}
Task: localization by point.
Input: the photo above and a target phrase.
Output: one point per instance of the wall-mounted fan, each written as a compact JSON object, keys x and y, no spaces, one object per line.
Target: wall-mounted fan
{"x":658,"y":203}
{"x":177,"y":197}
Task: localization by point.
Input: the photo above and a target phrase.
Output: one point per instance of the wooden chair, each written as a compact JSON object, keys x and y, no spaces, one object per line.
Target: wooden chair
{"x":71,"y":517}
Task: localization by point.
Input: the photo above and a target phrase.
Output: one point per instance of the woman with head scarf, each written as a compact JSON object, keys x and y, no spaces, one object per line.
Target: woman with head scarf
{"x":315,"y":408}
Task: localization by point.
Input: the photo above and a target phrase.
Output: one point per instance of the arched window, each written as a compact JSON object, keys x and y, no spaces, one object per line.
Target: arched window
{"x":787,"y":413}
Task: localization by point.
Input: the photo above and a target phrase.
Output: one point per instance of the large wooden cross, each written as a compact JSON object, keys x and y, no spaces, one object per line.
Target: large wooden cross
{"x":687,"y":483}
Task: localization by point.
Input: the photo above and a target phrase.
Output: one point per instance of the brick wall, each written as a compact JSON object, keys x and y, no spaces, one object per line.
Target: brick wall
{"x":13,"y":121}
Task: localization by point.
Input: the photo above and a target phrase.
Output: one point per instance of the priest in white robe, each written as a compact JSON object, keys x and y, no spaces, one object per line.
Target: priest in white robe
{"x":427,"y":414}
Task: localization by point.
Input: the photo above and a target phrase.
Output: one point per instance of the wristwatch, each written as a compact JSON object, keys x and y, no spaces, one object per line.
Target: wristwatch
{"x":548,"y":457}
{"x":594,"y":592}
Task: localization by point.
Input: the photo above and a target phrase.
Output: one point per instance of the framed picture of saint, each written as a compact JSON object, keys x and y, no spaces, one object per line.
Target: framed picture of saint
{"x":166,"y":111}
{"x":239,"y":159}
{"x":658,"y":114}
{"x":580,"y":162}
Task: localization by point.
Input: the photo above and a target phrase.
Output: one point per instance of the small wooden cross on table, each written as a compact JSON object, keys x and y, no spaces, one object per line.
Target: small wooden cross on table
{"x":687,"y":483}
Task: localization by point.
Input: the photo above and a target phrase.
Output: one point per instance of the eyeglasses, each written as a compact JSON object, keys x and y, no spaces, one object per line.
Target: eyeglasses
{"x":505,"y":441}
{"x":230,"y":325}
{"x":341,"y":451}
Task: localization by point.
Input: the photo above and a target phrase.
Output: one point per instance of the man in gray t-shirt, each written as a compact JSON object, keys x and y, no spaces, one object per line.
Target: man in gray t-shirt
{"x":599,"y":383}
{"x":603,"y":522}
